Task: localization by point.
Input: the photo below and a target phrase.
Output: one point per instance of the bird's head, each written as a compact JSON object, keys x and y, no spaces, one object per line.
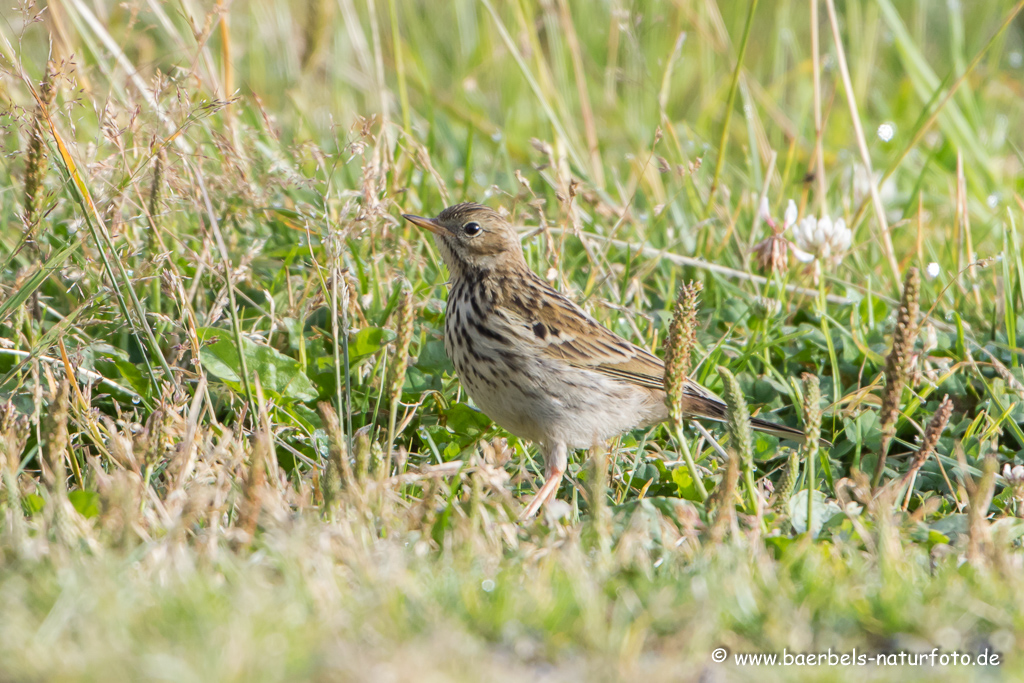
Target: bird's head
{"x":472,"y":237}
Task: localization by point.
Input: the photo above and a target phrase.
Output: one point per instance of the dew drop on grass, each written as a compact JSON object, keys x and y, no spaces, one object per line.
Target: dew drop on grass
{"x":1016,"y":60}
{"x":487,"y":585}
{"x":136,"y":399}
{"x":992,"y":200}
{"x":886,"y":131}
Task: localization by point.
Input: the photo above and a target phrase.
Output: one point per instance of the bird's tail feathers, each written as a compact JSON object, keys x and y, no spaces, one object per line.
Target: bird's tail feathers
{"x":784,"y":432}
{"x":707,"y":408}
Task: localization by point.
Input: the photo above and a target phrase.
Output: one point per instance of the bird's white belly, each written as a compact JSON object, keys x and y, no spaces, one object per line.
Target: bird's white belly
{"x":545,"y":400}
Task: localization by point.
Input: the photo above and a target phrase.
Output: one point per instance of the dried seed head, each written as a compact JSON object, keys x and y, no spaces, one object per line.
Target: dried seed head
{"x":812,"y":414}
{"x":253,"y":490}
{"x":897,"y":363}
{"x":980,"y":494}
{"x":737,"y":417}
{"x":338,"y":472}
{"x":787,"y":482}
{"x":772,"y":254}
{"x":682,"y":335}
{"x":364,"y":453}
{"x":936,"y":425}
{"x":156,"y":190}
{"x":36,"y":158}
{"x":396,"y":373}
{"x":932,"y":432}
{"x":724,"y":498}
{"x":56,"y":439}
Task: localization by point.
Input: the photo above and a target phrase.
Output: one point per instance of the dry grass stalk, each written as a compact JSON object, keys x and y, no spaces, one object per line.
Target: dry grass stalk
{"x":55,"y":442}
{"x":741,"y":438}
{"x":314,"y":31}
{"x":35,"y":162}
{"x":980,"y":496}
{"x":682,"y":335}
{"x":264,"y":459}
{"x":936,"y":425}
{"x":252,"y":491}
{"x":897,"y":365}
{"x":59,"y":513}
{"x":396,"y":372}
{"x":13,"y":435}
{"x":787,"y":482}
{"x":812,"y":432}
{"x":600,"y":515}
{"x":364,"y":454}
{"x":724,"y":499}
{"x":156,"y":189}
{"x":338,"y":473}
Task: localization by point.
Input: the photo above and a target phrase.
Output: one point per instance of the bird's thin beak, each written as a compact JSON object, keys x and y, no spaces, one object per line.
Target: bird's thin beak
{"x":425,"y":223}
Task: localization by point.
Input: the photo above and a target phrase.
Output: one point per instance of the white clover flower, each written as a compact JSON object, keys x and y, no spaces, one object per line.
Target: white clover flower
{"x":791,"y":215}
{"x":1014,"y":476}
{"x":765,"y":211}
{"x":820,"y":238}
{"x":932,"y":271}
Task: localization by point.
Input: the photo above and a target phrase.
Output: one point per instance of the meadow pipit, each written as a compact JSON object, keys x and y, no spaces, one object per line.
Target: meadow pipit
{"x":534,"y":361}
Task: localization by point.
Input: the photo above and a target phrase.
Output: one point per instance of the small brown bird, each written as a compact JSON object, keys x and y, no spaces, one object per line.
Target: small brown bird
{"x":535,"y":362}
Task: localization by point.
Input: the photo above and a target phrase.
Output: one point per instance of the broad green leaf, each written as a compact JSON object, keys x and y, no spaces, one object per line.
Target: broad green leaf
{"x":685,"y":484}
{"x":951,"y":526}
{"x":133,"y":376}
{"x":824,"y":510}
{"x":278,"y":373}
{"x":33,"y":503}
{"x":367,"y":342}
{"x":86,"y":502}
{"x":466,"y":422}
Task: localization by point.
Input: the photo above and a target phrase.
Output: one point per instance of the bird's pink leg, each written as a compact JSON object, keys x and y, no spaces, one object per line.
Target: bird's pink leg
{"x":555,"y":460}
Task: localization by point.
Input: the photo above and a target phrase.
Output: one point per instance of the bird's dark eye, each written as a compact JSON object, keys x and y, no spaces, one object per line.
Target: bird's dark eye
{"x":471,"y":228}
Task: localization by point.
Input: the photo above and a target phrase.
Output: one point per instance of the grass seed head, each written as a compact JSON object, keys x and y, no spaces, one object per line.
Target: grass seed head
{"x":156,"y":189}
{"x":897,"y":363}
{"x":980,"y":494}
{"x":936,"y":425}
{"x":787,"y":482}
{"x":737,"y":417}
{"x":35,"y":165}
{"x":682,"y":335}
{"x":396,"y":373}
{"x":56,"y":438}
{"x":338,"y":472}
{"x":812,"y":413}
{"x":724,"y":499}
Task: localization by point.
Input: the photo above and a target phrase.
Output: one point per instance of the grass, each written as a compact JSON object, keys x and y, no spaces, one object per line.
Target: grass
{"x":215,"y":326}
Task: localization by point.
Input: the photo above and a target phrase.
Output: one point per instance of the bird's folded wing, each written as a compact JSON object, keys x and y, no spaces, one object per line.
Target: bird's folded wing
{"x":564,"y":331}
